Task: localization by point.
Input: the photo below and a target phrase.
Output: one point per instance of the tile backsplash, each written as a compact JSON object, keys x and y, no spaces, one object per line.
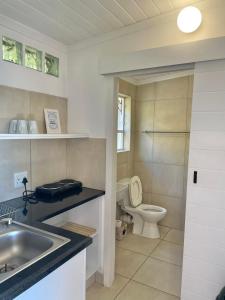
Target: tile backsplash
{"x":21,"y":104}
{"x":45,"y":160}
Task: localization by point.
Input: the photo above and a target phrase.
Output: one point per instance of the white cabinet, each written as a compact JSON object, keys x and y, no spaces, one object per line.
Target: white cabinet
{"x":66,"y":282}
{"x":88,"y":214}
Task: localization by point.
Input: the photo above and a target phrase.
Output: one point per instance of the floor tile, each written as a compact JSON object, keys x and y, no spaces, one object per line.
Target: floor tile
{"x":169,"y":252}
{"x":175,"y":236}
{"x":163,"y":231}
{"x":160,"y":275}
{"x":127,"y":262}
{"x":134,"y":291}
{"x":99,"y":292}
{"x":138,"y":244}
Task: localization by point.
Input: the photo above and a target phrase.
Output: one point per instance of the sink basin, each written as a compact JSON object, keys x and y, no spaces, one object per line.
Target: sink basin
{"x":22,"y":245}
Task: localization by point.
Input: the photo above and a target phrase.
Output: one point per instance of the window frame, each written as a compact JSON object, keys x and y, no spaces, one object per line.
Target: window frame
{"x":126,"y":131}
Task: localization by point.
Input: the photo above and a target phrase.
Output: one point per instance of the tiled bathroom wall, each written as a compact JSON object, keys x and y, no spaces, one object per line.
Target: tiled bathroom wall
{"x":161,"y":158}
{"x":125,"y":163}
{"x":45,"y":160}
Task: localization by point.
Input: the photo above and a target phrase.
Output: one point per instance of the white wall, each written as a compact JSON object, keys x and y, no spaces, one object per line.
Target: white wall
{"x":87,"y":103}
{"x":24,"y":78}
{"x":204,"y":247}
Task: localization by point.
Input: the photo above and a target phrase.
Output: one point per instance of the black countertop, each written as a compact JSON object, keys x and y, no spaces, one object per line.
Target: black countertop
{"x":37,"y":212}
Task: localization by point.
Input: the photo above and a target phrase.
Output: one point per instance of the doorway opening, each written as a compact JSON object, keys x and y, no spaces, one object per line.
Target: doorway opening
{"x":160,"y":115}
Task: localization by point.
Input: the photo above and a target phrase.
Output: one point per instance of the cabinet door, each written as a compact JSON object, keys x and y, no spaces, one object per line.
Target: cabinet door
{"x":68,"y":282}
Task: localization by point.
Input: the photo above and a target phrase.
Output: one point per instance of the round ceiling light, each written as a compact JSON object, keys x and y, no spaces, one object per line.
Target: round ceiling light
{"x":189,"y":19}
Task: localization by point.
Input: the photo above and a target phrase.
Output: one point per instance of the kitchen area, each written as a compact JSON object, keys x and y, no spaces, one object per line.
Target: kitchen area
{"x":51,"y":184}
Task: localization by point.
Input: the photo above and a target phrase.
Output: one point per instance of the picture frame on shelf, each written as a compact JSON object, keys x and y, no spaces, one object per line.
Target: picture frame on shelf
{"x":52,"y":121}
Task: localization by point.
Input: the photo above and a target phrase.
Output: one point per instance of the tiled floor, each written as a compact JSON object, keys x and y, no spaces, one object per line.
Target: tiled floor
{"x":146,"y":269}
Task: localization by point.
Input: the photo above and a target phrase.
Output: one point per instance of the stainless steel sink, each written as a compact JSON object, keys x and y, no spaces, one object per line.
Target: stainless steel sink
{"x":22,"y":245}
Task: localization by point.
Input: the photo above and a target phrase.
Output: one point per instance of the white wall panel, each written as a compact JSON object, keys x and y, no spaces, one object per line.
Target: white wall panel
{"x":209,"y":81}
{"x":204,"y":248}
{"x":209,"y":101}
{"x":211,"y":140}
{"x":210,"y":121}
{"x":207,"y":159}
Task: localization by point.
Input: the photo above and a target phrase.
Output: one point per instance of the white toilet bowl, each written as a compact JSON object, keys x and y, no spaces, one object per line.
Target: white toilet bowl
{"x":151,"y":215}
{"x":145,"y":216}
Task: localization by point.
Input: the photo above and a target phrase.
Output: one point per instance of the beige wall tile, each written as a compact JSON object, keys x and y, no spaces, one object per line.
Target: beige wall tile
{"x":40,"y":101}
{"x":171,"y":115}
{"x":189,"y":111}
{"x":190,"y":86}
{"x":122,"y":171}
{"x":169,"y":149}
{"x":48,"y":160}
{"x":172,"y":88}
{"x":122,"y":157}
{"x":15,"y":158}
{"x":146,"y":92}
{"x":144,"y":116}
{"x":21,"y":104}
{"x":14,"y":104}
{"x":143,"y":147}
{"x":127,"y":88}
{"x":175,"y":217}
{"x":167,"y":180}
{"x":86,"y":161}
{"x":145,"y":172}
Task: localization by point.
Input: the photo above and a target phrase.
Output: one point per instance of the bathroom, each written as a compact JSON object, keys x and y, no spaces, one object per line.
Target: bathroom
{"x":156,"y":112}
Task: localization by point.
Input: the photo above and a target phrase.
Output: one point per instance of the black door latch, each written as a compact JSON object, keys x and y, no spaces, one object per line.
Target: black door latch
{"x":195,"y":177}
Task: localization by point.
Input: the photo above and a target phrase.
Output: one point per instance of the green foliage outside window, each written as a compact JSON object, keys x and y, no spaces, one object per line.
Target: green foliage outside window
{"x":12,"y":51}
{"x":51,"y":65}
{"x":33,"y":58}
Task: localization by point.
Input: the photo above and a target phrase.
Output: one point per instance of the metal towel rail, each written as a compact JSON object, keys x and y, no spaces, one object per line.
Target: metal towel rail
{"x":149,"y":131}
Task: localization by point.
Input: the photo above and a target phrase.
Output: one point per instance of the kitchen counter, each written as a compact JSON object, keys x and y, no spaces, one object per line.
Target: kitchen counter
{"x":37,"y":212}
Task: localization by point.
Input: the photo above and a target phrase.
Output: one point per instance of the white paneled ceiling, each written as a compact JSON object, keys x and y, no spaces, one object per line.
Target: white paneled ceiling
{"x":69,"y":21}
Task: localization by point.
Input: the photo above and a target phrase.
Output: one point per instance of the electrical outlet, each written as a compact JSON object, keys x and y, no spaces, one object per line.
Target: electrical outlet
{"x":18,"y":178}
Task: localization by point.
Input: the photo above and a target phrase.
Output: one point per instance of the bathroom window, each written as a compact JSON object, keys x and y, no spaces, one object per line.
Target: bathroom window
{"x":12,"y":51}
{"x":123,"y":123}
{"x":33,"y":58}
{"x":51,"y":65}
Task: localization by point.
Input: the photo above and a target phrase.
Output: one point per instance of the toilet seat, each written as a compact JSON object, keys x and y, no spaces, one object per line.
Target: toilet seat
{"x":135,"y":191}
{"x":151,"y":208}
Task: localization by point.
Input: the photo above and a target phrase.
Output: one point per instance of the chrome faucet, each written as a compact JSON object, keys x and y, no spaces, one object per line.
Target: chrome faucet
{"x":6,"y":221}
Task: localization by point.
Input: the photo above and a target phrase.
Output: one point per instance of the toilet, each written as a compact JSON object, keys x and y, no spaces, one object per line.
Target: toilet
{"x":145,"y":216}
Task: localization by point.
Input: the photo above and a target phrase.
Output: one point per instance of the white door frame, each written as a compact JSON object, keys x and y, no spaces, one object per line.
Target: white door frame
{"x":141,"y":62}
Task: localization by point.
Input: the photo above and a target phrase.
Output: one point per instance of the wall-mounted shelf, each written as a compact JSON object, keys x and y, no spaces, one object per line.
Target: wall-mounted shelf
{"x":43,"y":136}
{"x":149,"y":131}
